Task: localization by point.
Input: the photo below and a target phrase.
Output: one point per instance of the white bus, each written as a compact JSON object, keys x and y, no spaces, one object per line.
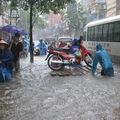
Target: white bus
{"x":105,"y":32}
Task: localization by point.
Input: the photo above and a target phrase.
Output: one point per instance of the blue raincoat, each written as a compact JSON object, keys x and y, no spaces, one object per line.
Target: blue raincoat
{"x":25,"y":47}
{"x":43,"y":48}
{"x":6,"y":65}
{"x":75,"y":46}
{"x":102,"y":57}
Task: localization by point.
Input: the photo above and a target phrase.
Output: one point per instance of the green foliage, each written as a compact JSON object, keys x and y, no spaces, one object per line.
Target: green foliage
{"x":72,"y":15}
{"x":44,"y":6}
{"x":39,"y":6}
{"x":3,"y":6}
{"x":14,"y":4}
{"x":40,"y":23}
{"x":25,"y":18}
{"x":76,"y":17}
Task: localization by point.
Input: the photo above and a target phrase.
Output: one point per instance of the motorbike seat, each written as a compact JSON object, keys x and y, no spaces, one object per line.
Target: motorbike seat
{"x":66,"y":50}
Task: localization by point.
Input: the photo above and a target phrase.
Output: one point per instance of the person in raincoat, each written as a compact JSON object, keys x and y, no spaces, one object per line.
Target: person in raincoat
{"x":101,"y":56}
{"x":6,"y":61}
{"x":42,"y":47}
{"x":25,"y":43}
{"x":16,"y":47}
{"x":76,"y":44}
{"x":76,"y":50}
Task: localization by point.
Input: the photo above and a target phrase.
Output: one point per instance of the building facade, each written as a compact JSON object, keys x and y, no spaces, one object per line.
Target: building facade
{"x":95,"y":9}
{"x":53,"y":19}
{"x":113,"y":7}
{"x":98,"y":9}
{"x":118,"y":7}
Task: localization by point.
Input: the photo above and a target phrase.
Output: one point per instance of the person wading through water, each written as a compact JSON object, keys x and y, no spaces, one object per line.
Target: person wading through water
{"x":16,"y":48}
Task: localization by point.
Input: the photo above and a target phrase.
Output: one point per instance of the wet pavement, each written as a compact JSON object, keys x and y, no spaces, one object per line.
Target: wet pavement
{"x":34,"y":94}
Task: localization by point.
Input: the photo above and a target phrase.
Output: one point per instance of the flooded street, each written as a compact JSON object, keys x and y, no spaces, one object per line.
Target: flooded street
{"x":34,"y":94}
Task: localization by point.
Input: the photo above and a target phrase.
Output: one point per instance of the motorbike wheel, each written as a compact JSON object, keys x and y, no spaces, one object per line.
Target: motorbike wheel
{"x":37,"y":52}
{"x":55,"y":66}
{"x":89,"y":60}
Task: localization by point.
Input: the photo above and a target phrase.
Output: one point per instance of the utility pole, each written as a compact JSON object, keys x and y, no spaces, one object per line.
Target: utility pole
{"x":31,"y":28}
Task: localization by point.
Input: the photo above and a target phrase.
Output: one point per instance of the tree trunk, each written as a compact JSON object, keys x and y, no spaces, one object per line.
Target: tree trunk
{"x":31,"y":37}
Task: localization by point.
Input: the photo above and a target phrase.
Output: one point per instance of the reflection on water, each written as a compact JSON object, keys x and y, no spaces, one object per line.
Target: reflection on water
{"x":33,"y":94}
{"x":20,"y":88}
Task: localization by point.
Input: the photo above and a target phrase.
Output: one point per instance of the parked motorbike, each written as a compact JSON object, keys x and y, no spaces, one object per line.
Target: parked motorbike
{"x":36,"y":51}
{"x":59,"y":57}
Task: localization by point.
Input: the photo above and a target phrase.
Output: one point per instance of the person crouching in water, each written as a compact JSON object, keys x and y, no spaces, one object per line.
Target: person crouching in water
{"x":16,"y":48}
{"x":102,"y":57}
{"x":6,"y":61}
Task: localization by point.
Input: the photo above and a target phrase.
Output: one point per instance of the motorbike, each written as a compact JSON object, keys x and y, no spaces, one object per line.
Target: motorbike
{"x":36,"y":51}
{"x":60,"y":57}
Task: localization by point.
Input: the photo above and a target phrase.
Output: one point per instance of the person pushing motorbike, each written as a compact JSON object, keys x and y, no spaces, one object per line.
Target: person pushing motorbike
{"x":101,"y":56}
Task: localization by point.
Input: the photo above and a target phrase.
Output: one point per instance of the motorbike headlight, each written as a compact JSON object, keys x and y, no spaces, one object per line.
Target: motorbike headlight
{"x":72,"y":60}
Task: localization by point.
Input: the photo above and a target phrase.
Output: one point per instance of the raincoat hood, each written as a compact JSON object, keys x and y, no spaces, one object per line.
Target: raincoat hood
{"x":99,"y":47}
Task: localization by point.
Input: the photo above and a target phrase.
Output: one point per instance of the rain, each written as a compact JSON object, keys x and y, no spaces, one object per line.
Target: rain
{"x":33,"y":94}
{"x":37,"y":92}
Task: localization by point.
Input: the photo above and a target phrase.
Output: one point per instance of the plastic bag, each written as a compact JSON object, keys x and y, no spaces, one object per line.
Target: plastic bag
{"x":78,"y":54}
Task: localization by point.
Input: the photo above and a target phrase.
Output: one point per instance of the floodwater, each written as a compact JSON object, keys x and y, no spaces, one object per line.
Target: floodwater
{"x":33,"y":94}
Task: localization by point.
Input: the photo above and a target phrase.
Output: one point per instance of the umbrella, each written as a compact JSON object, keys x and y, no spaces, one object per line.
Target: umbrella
{"x":14,"y":29}
{"x":22,"y":32}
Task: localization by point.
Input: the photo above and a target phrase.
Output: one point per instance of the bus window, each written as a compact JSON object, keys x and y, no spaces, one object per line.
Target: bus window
{"x":110,"y":33}
{"x":96,"y":34}
{"x":92,"y":34}
{"x":100,"y":36}
{"x":84,"y":36}
{"x":117,"y":32}
{"x":88,"y":34}
{"x":105,"y":32}
{"x":90,"y":30}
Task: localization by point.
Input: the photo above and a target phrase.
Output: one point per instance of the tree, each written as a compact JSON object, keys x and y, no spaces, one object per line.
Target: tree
{"x":38,"y":22}
{"x":42,"y":6}
{"x":76,"y":18}
{"x":3,"y":6}
{"x":82,"y":17}
{"x":72,"y":16}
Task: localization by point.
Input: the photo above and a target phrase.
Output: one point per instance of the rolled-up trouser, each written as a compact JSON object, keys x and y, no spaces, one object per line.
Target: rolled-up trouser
{"x":108,"y":72}
{"x":5,"y":74}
